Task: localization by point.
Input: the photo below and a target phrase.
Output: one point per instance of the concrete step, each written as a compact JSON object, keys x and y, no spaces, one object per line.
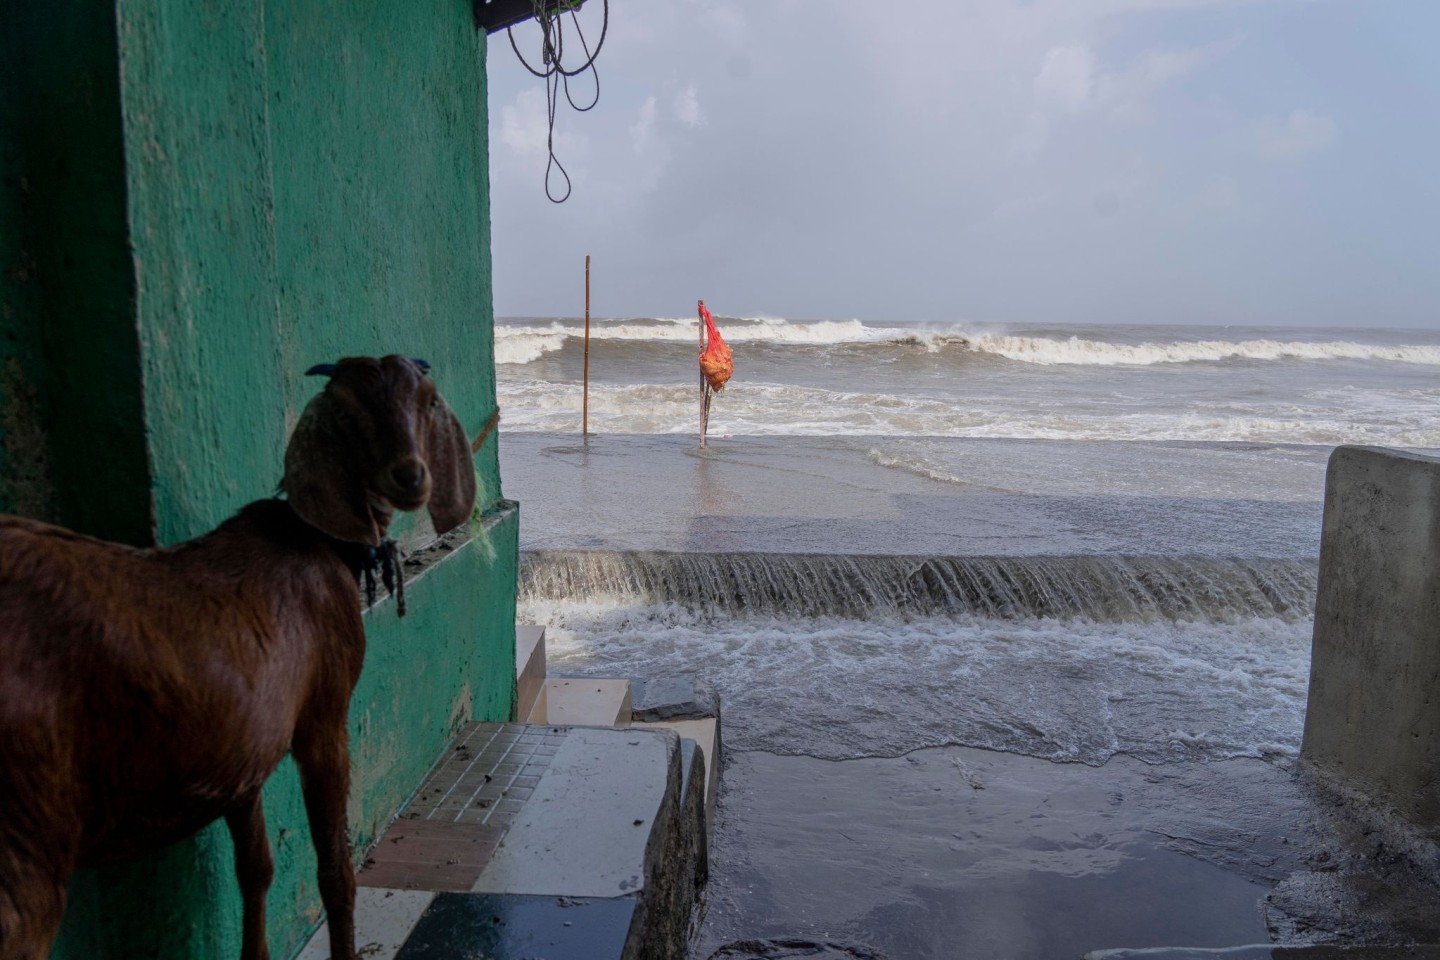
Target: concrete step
{"x":705,"y":733}
{"x":584,"y":841}
{"x":529,"y":668}
{"x":689,"y":706}
{"x":579,"y":702}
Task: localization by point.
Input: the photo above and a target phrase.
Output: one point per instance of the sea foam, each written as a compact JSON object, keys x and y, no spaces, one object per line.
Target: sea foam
{"x":1393,"y":418}
{"x":1081,"y":351}
{"x":1077,"y":691}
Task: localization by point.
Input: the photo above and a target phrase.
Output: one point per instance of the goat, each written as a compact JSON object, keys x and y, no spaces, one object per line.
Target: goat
{"x":146,"y":693}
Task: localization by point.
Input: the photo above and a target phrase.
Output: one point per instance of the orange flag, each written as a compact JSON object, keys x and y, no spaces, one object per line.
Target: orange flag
{"x":715,"y":361}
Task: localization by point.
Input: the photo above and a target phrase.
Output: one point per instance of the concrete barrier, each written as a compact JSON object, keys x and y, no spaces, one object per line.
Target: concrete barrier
{"x":1373,"y":721}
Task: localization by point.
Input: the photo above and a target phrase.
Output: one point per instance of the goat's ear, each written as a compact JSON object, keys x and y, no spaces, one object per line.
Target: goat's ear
{"x":319,"y":482}
{"x":452,"y":474}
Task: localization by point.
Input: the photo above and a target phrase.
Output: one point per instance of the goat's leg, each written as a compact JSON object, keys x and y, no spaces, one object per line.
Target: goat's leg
{"x":324,"y":761}
{"x":254,"y":868}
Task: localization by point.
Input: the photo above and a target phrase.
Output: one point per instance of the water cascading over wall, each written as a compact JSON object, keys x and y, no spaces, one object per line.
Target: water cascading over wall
{"x":1139,"y":588}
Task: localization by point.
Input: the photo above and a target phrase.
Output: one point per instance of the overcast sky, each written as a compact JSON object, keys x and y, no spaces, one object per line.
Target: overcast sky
{"x":1055,"y":161}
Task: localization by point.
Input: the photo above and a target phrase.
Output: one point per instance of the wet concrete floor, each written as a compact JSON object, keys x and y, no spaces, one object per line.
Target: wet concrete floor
{"x":960,"y":853}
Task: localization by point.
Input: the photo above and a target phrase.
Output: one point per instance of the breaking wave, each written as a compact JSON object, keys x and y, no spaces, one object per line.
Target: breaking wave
{"x":524,"y":343}
{"x":1076,"y":350}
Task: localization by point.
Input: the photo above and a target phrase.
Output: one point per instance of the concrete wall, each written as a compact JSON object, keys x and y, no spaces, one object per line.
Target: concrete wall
{"x":312,"y":182}
{"x":1373,"y":720}
{"x":199,"y":201}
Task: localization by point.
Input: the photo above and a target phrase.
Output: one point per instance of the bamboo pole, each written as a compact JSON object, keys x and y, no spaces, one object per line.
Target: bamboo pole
{"x":700,"y":319}
{"x":585,"y":400}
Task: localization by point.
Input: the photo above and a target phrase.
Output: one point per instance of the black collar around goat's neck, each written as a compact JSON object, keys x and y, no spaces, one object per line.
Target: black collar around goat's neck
{"x":385,"y":558}
{"x":277,"y":519}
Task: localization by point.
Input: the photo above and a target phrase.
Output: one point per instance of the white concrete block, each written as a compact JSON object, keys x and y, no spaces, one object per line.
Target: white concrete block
{"x":585,"y":829}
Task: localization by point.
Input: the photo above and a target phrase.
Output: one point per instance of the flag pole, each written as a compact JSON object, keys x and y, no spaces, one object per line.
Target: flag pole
{"x":700,"y":321}
{"x":585,"y":400}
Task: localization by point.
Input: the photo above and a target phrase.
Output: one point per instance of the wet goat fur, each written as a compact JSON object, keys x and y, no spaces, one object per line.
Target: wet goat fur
{"x":146,"y":693}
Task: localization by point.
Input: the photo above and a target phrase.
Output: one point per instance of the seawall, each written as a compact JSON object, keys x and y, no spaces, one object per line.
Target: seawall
{"x":1373,"y":720}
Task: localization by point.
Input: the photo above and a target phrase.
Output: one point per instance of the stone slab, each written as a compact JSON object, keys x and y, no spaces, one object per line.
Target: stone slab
{"x":585,"y":829}
{"x":579,"y":702}
{"x":673,"y":698}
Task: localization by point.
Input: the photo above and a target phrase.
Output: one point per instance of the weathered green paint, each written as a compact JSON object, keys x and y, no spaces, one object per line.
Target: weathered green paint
{"x":311,"y":186}
{"x":201,"y":213}
{"x":200,"y":201}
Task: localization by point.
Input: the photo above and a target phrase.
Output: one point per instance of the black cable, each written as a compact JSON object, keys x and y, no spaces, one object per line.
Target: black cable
{"x":552,"y":53}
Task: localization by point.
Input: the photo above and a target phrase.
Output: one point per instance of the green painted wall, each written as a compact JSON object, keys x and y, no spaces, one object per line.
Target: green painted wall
{"x":200,"y":200}
{"x":313,"y":183}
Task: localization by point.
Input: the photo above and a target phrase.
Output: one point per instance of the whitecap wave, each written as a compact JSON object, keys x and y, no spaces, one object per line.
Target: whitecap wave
{"x":1038,"y":350}
{"x":1079,"y":351}
{"x":744,"y":330}
{"x":527,"y":347}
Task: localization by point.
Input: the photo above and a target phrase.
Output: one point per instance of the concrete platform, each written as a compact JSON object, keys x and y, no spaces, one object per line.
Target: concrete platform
{"x":584,"y":842}
{"x":586,"y":828}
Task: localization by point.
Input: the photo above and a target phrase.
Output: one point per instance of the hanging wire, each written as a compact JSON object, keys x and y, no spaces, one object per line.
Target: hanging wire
{"x":553,"y":71}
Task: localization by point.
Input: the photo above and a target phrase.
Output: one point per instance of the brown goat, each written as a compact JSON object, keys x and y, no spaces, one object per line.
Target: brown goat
{"x":146,"y":693}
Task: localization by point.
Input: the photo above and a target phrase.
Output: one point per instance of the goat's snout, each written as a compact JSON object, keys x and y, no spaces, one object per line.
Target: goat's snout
{"x":411,"y":480}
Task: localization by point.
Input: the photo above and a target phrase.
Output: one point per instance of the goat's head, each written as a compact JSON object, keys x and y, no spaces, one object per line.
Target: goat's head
{"x":377,"y":439}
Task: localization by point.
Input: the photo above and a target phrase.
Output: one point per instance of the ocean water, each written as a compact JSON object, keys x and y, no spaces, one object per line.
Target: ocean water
{"x":1064,"y":542}
{"x":847,"y":378}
